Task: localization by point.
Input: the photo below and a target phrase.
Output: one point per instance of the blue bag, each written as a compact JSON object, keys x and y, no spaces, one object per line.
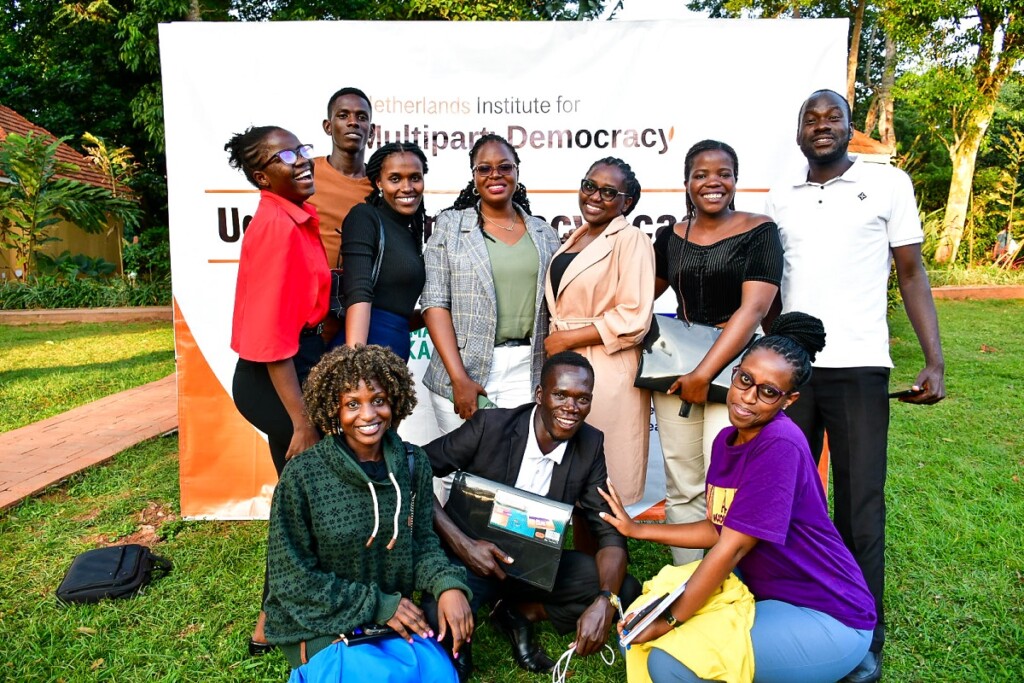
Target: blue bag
{"x":390,"y":660}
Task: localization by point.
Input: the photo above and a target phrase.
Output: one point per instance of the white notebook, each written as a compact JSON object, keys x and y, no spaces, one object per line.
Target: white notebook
{"x":652,"y":609}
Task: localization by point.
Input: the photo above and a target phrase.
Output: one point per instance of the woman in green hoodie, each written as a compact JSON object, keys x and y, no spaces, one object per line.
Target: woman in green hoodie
{"x":351,"y":534}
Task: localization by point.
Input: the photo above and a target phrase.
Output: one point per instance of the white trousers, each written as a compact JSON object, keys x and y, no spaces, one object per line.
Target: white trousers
{"x":686,"y":449}
{"x":507,"y":386}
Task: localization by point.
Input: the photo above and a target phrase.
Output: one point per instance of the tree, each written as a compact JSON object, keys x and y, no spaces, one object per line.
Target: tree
{"x":36,"y":198}
{"x":858,"y":11}
{"x":137,"y":29}
{"x":971,"y":49}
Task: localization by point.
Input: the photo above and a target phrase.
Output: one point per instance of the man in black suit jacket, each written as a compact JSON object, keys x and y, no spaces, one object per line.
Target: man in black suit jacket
{"x":495,"y":444}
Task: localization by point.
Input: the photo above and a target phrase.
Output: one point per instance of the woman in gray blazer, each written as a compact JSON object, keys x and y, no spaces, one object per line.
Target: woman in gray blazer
{"x":483,"y":301}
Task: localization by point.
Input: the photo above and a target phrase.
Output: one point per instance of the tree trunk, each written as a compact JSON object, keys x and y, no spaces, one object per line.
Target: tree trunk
{"x":851,"y":60}
{"x":886,"y":132}
{"x":963,"y":154}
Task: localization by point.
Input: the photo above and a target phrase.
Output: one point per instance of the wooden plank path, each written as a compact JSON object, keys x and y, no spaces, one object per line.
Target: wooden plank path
{"x":46,"y":452}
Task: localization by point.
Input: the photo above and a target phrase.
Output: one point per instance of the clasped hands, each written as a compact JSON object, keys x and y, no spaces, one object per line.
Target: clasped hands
{"x":453,"y":613}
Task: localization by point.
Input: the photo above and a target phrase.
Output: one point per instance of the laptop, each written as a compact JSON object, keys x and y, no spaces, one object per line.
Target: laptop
{"x":528,"y":527}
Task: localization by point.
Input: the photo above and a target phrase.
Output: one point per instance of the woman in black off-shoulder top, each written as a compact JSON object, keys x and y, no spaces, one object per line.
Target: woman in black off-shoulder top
{"x":725,"y":267}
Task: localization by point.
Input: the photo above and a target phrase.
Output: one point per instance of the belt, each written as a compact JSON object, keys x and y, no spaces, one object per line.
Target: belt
{"x":525,"y":341}
{"x":310,"y":331}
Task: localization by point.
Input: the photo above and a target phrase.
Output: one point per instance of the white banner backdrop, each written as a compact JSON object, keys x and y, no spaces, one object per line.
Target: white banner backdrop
{"x":565,"y":94}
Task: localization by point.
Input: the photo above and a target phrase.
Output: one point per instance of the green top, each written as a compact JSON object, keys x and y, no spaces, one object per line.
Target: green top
{"x":323,"y":579}
{"x":514,"y":269}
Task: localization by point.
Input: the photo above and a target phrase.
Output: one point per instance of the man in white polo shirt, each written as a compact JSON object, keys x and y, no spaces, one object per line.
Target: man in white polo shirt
{"x":843,"y":223}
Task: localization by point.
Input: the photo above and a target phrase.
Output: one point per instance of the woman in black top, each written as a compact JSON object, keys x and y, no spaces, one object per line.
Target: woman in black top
{"x":380,"y":311}
{"x":725,"y":267}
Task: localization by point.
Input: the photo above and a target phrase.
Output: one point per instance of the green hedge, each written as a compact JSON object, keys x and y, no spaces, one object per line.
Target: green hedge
{"x":51,"y":292}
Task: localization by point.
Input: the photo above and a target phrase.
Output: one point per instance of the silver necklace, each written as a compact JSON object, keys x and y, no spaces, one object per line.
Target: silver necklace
{"x":499,"y":225}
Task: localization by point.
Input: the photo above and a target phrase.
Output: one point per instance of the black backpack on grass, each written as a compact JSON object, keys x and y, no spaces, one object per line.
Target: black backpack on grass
{"x":119,"y":571}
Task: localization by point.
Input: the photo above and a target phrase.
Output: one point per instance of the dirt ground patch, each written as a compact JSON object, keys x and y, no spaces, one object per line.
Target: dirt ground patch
{"x":148,"y":523}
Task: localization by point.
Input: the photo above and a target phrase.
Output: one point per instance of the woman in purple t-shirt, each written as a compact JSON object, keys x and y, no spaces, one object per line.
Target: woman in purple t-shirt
{"x":767,"y":517}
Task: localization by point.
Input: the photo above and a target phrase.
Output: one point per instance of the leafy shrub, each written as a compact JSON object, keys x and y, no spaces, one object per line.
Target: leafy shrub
{"x":148,"y":252}
{"x":49,"y":291}
{"x":72,"y":267}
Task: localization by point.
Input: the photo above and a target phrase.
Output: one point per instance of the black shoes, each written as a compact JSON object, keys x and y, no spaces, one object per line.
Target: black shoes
{"x":868,"y":671}
{"x":527,"y":652}
{"x":464,"y":664}
{"x":257,"y":649}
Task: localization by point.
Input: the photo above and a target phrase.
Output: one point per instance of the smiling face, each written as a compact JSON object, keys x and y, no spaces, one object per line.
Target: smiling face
{"x":349,"y":123}
{"x":401,"y":182}
{"x":364,"y":415}
{"x":711,"y":185}
{"x":496,"y":189}
{"x":294,"y":181}
{"x":596,"y":210}
{"x":748,"y":413}
{"x":824,"y":131}
{"x":564,"y":399}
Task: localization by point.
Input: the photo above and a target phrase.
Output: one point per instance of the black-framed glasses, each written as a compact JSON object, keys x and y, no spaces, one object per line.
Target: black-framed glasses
{"x":290,"y":156}
{"x":589,"y":187}
{"x":484,"y":170}
{"x":766,"y":393}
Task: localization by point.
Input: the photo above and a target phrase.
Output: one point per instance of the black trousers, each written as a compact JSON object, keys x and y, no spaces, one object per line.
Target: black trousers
{"x":258,"y":402}
{"x":852,"y":405}
{"x":576,"y":587}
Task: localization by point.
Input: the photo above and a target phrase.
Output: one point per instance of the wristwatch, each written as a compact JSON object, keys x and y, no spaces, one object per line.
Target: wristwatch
{"x":672,"y":621}
{"x":612,"y":598}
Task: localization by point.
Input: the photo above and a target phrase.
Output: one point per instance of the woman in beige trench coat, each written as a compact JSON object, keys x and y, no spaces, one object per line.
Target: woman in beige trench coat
{"x":600,"y":294}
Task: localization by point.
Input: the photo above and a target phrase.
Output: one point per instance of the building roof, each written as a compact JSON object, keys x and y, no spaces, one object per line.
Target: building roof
{"x":863,"y":144}
{"x":13,"y":122}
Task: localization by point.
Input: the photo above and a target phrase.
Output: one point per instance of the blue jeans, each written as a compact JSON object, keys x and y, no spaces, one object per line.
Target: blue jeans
{"x":791,"y":645}
{"x":387,"y":329}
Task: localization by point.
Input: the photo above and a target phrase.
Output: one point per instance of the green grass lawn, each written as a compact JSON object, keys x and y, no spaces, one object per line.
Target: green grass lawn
{"x":955,"y":597}
{"x":49,"y":369}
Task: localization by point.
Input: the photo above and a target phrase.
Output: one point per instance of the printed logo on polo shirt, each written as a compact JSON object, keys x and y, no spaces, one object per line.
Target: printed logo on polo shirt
{"x":862,"y":196}
{"x":718,"y":500}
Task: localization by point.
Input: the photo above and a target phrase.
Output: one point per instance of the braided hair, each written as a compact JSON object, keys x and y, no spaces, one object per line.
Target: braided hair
{"x":708,"y":146}
{"x":245,"y":150}
{"x":469,"y":197}
{"x":373,"y":171}
{"x":797,"y":337}
{"x":342,"y":369}
{"x":632,"y":184}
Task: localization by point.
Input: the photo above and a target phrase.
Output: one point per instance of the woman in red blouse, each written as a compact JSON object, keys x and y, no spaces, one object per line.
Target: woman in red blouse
{"x":281,"y":298}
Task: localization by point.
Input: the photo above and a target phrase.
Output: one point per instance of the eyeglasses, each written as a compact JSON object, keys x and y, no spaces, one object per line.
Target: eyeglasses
{"x":765,"y":392}
{"x":290,"y":156}
{"x":589,"y":187}
{"x":484,"y":170}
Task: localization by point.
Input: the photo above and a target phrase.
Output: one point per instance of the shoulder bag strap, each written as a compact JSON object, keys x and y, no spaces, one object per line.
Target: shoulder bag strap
{"x":375,"y":273}
{"x":679,"y":274}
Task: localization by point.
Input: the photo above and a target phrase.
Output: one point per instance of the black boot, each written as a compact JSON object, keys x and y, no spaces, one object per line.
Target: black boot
{"x":868,"y":671}
{"x":464,"y":664}
{"x":527,"y":652}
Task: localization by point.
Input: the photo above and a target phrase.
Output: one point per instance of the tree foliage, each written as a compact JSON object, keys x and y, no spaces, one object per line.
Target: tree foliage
{"x":73,"y":67}
{"x":35,"y":199}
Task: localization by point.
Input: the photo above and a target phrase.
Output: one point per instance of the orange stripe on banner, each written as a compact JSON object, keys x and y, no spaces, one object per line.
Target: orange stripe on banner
{"x":222,"y":260}
{"x":225,"y":466}
{"x":646,"y":190}
{"x":823,"y":465}
{"x":532,"y":190}
{"x":655,"y":513}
